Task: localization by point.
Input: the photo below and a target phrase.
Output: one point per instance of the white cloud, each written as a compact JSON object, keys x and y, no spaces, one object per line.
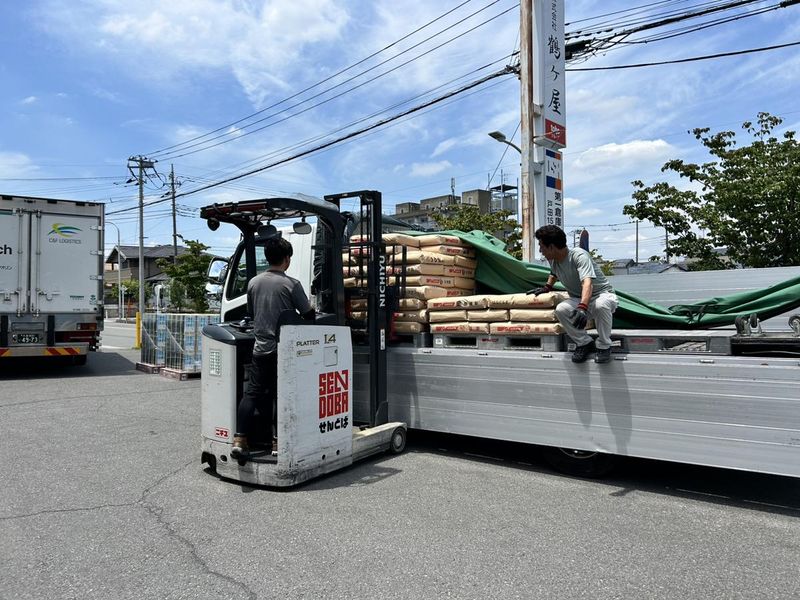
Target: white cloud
{"x":444,"y":146}
{"x":29,"y":100}
{"x":16,"y":164}
{"x":621,"y":157}
{"x":262,"y":43}
{"x":574,"y":209}
{"x":398,"y":168}
{"x":430,"y":168}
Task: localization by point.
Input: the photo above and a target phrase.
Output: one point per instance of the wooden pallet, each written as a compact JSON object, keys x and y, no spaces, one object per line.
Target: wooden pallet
{"x":180,"y":375}
{"x":148,"y":368}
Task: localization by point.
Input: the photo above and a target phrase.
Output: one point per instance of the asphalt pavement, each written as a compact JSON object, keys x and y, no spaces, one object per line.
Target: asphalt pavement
{"x":102,"y":495}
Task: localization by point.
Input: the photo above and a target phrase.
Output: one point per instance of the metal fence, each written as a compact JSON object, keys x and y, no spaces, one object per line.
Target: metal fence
{"x":174,"y":341}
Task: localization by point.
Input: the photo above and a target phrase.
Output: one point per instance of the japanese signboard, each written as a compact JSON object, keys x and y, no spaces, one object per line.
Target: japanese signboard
{"x":554,"y":194}
{"x":549,"y":16}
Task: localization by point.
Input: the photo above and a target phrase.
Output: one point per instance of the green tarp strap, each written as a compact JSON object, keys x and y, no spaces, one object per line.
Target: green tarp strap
{"x":502,"y":273}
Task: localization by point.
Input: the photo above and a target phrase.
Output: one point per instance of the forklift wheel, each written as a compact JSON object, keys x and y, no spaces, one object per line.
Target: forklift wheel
{"x":398,"y":442}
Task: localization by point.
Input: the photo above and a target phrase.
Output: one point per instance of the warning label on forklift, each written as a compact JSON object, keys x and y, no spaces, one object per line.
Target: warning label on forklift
{"x":334,"y":400}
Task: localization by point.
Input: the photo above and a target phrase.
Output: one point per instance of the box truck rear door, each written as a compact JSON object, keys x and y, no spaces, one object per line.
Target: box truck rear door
{"x":14,"y":272}
{"x":65,"y":270}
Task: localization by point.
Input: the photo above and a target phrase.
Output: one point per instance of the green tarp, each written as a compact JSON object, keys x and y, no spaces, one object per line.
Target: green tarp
{"x":502,"y":273}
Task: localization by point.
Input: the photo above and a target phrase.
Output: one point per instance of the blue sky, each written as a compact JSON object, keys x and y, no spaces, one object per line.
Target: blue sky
{"x":88,"y":83}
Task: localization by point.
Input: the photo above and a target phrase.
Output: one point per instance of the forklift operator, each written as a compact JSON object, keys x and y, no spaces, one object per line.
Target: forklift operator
{"x":590,"y":294}
{"x":268,"y":295}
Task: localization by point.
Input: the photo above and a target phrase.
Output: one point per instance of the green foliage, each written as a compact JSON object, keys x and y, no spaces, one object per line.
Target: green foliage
{"x":749,"y":200}
{"x":188,"y":277}
{"x":467,"y":217}
{"x":606,"y":266}
{"x":131,"y":287}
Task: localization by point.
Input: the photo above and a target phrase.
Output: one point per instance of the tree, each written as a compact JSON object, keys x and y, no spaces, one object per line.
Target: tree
{"x":188,"y":276}
{"x":748,"y":200}
{"x":466,"y":217}
{"x":606,"y":266}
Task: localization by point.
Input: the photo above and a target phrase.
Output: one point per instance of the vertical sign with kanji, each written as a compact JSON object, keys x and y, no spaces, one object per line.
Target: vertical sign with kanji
{"x":553,"y":193}
{"x":551,"y":13}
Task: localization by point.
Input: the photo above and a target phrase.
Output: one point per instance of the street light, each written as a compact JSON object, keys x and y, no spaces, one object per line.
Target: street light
{"x":500,"y":137}
{"x":119,"y":274}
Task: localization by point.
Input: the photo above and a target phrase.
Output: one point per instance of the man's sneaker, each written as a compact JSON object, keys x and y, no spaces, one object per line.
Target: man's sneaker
{"x":603,"y":355}
{"x":581,"y":353}
{"x":274,"y":447}
{"x":239,"y":446}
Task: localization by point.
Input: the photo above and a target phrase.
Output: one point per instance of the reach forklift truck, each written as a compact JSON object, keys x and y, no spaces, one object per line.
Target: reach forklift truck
{"x":315,"y":427}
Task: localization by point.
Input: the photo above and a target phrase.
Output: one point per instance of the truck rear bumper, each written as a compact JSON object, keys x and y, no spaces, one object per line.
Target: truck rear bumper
{"x":36,"y":351}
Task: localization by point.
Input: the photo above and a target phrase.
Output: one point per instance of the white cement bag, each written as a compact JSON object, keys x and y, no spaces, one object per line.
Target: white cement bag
{"x":527,"y":315}
{"x":418,"y":316}
{"x":490,"y":315}
{"x":438,"y":239}
{"x":548,"y":300}
{"x":454,"y":271}
{"x":445,"y":282}
{"x":398,"y":239}
{"x":451,"y":250}
{"x":512,"y":328}
{"x":430,"y":258}
{"x":409,"y":327}
{"x":447,"y":316}
{"x":423,"y":269}
{"x":480,"y":328}
{"x":465,"y":302}
{"x":467,"y":263}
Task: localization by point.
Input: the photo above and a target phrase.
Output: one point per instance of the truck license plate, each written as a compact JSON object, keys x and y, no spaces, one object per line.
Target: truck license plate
{"x":28,"y":338}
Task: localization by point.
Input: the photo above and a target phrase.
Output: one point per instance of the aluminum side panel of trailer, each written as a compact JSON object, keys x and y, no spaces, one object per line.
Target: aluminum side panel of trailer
{"x":733,"y":412}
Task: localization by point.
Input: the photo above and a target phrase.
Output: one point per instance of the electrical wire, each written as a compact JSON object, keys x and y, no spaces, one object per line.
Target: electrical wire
{"x":684,"y":60}
{"x":350,"y":135}
{"x":239,"y":136}
{"x":311,"y":87}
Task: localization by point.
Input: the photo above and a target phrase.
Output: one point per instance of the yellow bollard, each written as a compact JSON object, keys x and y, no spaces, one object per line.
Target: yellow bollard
{"x":138,"y":344}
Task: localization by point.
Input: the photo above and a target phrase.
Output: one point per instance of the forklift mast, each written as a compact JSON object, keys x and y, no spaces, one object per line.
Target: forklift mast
{"x":371,"y":246}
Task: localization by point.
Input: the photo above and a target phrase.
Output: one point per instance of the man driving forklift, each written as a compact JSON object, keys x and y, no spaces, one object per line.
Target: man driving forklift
{"x":268,"y":295}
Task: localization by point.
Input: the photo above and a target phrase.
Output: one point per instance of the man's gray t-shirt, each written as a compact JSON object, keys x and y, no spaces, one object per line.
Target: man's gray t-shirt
{"x":577,"y":266}
{"x":268,"y":295}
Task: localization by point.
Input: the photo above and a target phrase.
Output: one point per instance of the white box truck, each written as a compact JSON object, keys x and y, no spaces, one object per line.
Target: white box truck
{"x":51,"y":277}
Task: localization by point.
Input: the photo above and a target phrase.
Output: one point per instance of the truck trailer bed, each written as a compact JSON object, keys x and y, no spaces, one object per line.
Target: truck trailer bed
{"x":723,"y":411}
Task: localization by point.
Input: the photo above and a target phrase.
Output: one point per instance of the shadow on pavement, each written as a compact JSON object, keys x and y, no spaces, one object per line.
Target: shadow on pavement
{"x":754,"y":491}
{"x":56,"y":367}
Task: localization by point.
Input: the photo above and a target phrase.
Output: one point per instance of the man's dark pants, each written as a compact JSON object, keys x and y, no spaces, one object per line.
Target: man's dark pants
{"x":260,"y":392}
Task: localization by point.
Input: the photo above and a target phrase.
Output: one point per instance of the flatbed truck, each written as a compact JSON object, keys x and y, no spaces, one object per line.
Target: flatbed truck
{"x":684,"y":396}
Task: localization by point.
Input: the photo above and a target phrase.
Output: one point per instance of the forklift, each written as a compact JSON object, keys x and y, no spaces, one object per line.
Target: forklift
{"x":315,"y":423}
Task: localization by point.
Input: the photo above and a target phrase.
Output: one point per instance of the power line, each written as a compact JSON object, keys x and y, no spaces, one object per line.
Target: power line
{"x":505,"y":71}
{"x":684,"y":60}
{"x":308,"y":108}
{"x":311,"y":87}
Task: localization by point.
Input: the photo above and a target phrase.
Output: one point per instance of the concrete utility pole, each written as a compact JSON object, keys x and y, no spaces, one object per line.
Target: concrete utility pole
{"x":141,"y":163}
{"x":527,"y":194}
{"x":543,"y":117}
{"x":174,"y":225}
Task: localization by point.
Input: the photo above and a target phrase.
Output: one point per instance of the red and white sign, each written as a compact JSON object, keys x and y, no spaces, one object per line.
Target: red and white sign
{"x":549,"y":44}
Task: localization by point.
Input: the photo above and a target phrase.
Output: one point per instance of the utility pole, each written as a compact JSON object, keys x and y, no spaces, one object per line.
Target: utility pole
{"x":637,"y":241}
{"x":174,"y":225}
{"x":543,"y":117}
{"x":141,"y":164}
{"x":527,"y":198}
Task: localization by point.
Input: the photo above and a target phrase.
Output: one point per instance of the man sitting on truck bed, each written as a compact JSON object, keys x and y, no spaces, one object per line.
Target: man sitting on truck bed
{"x":268,"y":295}
{"x":590,"y":294}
